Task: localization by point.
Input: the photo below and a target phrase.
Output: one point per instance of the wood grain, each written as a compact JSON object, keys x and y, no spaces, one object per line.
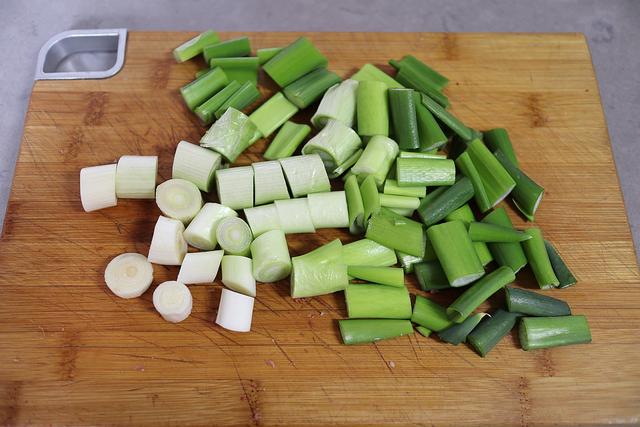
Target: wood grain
{"x":72,"y":353}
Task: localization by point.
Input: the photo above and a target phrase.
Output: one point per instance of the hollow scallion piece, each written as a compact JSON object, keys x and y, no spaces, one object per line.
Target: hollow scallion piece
{"x":235,"y":311}
{"x":547,"y":332}
{"x":262,"y":219}
{"x":201,"y":73}
{"x":533,"y":304}
{"x":423,"y":331}
{"x":168,"y":246}
{"x":396,"y":232}
{"x":372,"y":109}
{"x":308,"y":88}
{"x":376,"y":159}
{"x":377,"y":302}
{"x":429,"y":172}
{"x":399,"y":202}
{"x":200,"y":267}
{"x":526,"y":195}
{"x":235,"y":187}
{"x":485,"y":232}
{"x":496,"y":180}
{"x":329,"y":210}
{"x":508,"y":254}
{"x":266,"y":53}
{"x":390,"y":276}
{"x":338,"y":103}
{"x":136,"y":177}
{"x":491,"y":330}
{"x":195,"y":164}
{"x":227,"y":49}
{"x":455,"y":252}
{"x":128,"y":275}
{"x":246,"y":95}
{"x":193,"y":47}
{"x":205,"y":86}
{"x":269,"y":183}
{"x":430,"y":135}
{"x":206,"y":111}
{"x":370,"y":72}
{"x":271,"y":260}
{"x":179,"y":199}
{"x":458,"y":333}
{"x":466,"y":166}
{"x":498,"y":139}
{"x":430,"y":314}
{"x":465,"y":215}
{"x":294,"y":216}
{"x":305,"y":174}
{"x":538,"y":258}
{"x":355,"y":205}
{"x":347,"y":164}
{"x":403,"y":116}
{"x":411,"y":62}
{"x":366,"y":331}
{"x":434,"y":209}
{"x":98,"y":187}
{"x":391,"y":187}
{"x":272,"y":114}
{"x":319,"y":272}
{"x":449,"y":120}
{"x":230,"y":135}
{"x":430,"y":154}
{"x":243,"y":69}
{"x":234,"y":236}
{"x":407,"y":212}
{"x":564,"y":275}
{"x":294,"y":61}
{"x":289,"y":137}
{"x":408,"y":261}
{"x":201,"y":232}
{"x":335,"y":144}
{"x":367,"y":252}
{"x":431,"y":276}
{"x":410,"y":78}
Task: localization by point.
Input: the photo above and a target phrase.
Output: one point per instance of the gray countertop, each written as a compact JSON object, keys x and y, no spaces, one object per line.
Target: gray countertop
{"x":612,"y":28}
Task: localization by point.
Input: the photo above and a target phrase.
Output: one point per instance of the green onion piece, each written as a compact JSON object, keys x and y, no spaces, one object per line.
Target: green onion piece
{"x":235,"y":187}
{"x":433,"y":195}
{"x":410,"y":61}
{"x":193,"y":47}
{"x":458,"y":333}
{"x":335,"y":144}
{"x":508,"y":254}
{"x":234,"y":236}
{"x":491,"y":330}
{"x":246,"y":95}
{"x":289,"y":137}
{"x":329,"y":210}
{"x":466,"y":166}
{"x":430,"y":314}
{"x":431,"y":276}
{"x":430,"y":135}
{"x":179,"y":199}
{"x":465,"y":215}
{"x":367,"y":252}
{"x":237,"y":275}
{"x":391,"y":187}
{"x":201,"y":73}
{"x":266,"y":53}
{"x":430,"y":172}
{"x":201,"y":89}
{"x":206,"y":111}
{"x":370,"y":198}
{"x":376,"y":159}
{"x":496,"y":180}
{"x":538,"y":259}
{"x":268,"y":182}
{"x":338,"y":103}
{"x":227,"y":49}
{"x":365,"y":331}
{"x":421,"y":155}
{"x":262,"y":219}
{"x":526,"y":195}
{"x":390,"y":276}
{"x":271,"y":260}
{"x":396,"y":232}
{"x":347,"y":164}
{"x":195,"y":164}
{"x":243,"y":69}
{"x":484,"y":232}
{"x":201,"y":232}
{"x":319,"y":272}
{"x":407,"y":212}
{"x":308,"y":88}
{"x":409,"y":78}
{"x":435,"y":209}
{"x":547,"y":332}
{"x":399,"y":202}
{"x":272,"y":114}
{"x":533,"y":304}
{"x":294,"y":61}
{"x":498,"y":139}
{"x":447,"y":118}
{"x":370,"y":72}
{"x":136,"y":175}
{"x":372,"y":109}
{"x":305,"y":174}
{"x":423,"y":331}
{"x":294,"y":216}
{"x":564,"y":275}
{"x":354,"y":205}
{"x":403,"y":115}
{"x":230,"y":135}
{"x":408,"y":261}
{"x":377,"y":302}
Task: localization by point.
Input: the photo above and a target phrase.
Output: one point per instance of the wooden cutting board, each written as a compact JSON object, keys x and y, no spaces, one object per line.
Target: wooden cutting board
{"x":72,"y":353}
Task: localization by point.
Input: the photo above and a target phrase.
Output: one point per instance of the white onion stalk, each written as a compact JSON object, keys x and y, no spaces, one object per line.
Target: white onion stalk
{"x":269,"y":183}
{"x":335,"y":144}
{"x":235,"y":311}
{"x":376,"y":159}
{"x":329,"y":210}
{"x":179,"y":199}
{"x":201,"y":231}
{"x":294,"y":216}
{"x":235,"y":187}
{"x":338,"y":103}
{"x":173,"y":301}
{"x":196,"y":164}
{"x":128,"y":275}
{"x":168,"y":246}
{"x":98,"y":187}
{"x":237,"y":274}
{"x":200,"y":267}
{"x":262,"y":219}
{"x":234,"y":236}
{"x":271,"y":259}
{"x":136,"y":177}
{"x":305,"y":174}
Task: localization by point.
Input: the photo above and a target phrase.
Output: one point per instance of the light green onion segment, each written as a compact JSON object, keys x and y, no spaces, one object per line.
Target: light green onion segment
{"x":269,"y":183}
{"x":242,"y":98}
{"x":195,"y":164}
{"x":391,"y":276}
{"x":538,"y":258}
{"x":430,"y":314}
{"x":242,"y":69}
{"x":370,"y":72}
{"x":498,"y":140}
{"x":429,"y":172}
{"x":319,"y":272}
{"x":403,"y":116}
{"x":193,"y":47}
{"x":235,"y":187}
{"x":376,"y":301}
{"x":430,"y":134}
{"x":509,"y":254}
{"x":547,"y":332}
{"x":372,"y":109}
{"x":376,"y":159}
{"x":294,"y":61}
{"x":287,"y":140}
{"x":370,"y":198}
{"x":366,"y":331}
{"x":272,"y":114}
{"x":338,"y":103}
{"x":308,"y":88}
{"x":329,"y":210}
{"x":335,"y":144}
{"x":230,"y":135}
{"x":431,"y":277}
{"x":495,"y":179}
{"x":305,"y":174}
{"x":399,"y":202}
{"x":237,"y":274}
{"x":201,"y":89}
{"x":227,"y":49}
{"x":411,"y":62}
{"x":234,"y":236}
{"x":201,"y":231}
{"x":206,"y":111}
{"x":294,"y":216}
{"x":485,"y":232}
{"x":266,"y":53}
{"x":391,"y":187}
{"x":465,"y":214}
{"x":438,"y":204}
{"x":526,"y":195}
{"x":366,"y":252}
{"x":262,"y":219}
{"x":179,"y":199}
{"x":396,"y":232}
{"x":355,"y":205}
{"x":271,"y":260}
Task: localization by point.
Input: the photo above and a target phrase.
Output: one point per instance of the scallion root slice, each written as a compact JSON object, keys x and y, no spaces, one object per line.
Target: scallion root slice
{"x":271,"y":259}
{"x":329,"y":210}
{"x":235,"y":311}
{"x":235,"y":187}
{"x":179,"y":199}
{"x":195,"y":164}
{"x":173,"y":301}
{"x":98,"y":187}
{"x":237,"y":274}
{"x":168,"y":246}
{"x":136,"y":177}
{"x":200,"y":267}
{"x":234,"y":236}
{"x":201,"y":232}
{"x":128,"y":275}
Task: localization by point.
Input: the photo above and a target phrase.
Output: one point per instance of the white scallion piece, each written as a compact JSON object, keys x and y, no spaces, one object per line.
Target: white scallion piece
{"x":234,"y":236}
{"x":294,"y":216}
{"x":271,"y":259}
{"x":269,"y":183}
{"x":179,"y":199}
{"x":262,"y":219}
{"x":136,"y":177}
{"x":98,"y":187}
{"x":168,"y":246}
{"x":201,"y":232}
{"x":335,"y":144}
{"x":237,"y":274}
{"x":235,"y":187}
{"x":200,"y":267}
{"x":196,"y":164}
{"x":235,"y":311}
{"x":338,"y":103}
{"x":173,"y":301}
{"x":329,"y":210}
{"x":377,"y":158}
{"x":128,"y":275}
{"x":305,"y":174}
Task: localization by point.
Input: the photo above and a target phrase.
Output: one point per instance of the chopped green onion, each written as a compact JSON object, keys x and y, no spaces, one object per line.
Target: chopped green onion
{"x":179,"y":199}
{"x":403,"y":115}
{"x":409,"y":61}
{"x":201,"y":232}
{"x":430,"y":172}
{"x":193,"y":47}
{"x":266,"y":53}
{"x":430,"y":135}
{"x":485,"y":232}
{"x":201,"y":89}
{"x":271,"y":260}
{"x":201,"y":73}
{"x":526,"y":195}
{"x":195,"y":164}
{"x":329,"y":210}
{"x":230,"y":135}
{"x":206,"y":111}
{"x":335,"y":144}
{"x":396,"y":232}
{"x":98,"y":187}
{"x":272,"y":114}
{"x":466,"y":166}
{"x":534,"y":304}
{"x":370,"y":72}
{"x":458,"y":333}
{"x":408,"y":261}
{"x":491,"y":330}
{"x":308,"y":88}
{"x":338,"y":103}
{"x":227,"y":49}
{"x":409,"y":78}
{"x":390,"y":276}
{"x":168,"y":246}
{"x":237,"y":274}
{"x":391,"y":187}
{"x":243,"y":69}
{"x":376,"y":159}
{"x":200,"y":267}
{"x":294,"y":61}
{"x":268,"y":182}
{"x":447,"y":118}
{"x":564,"y":275}
{"x":246,"y":95}
{"x":434,"y":209}
{"x":498,"y":139}
{"x":235,"y":187}
{"x":366,"y":331}
{"x":173,"y":301}
{"x":289,"y":137}
{"x":496,"y":180}
{"x":423,"y":331}
{"x":372,"y":109}
{"x":235,"y":311}
{"x":421,"y":155}
{"x":136,"y":176}
{"x":262,"y":219}
{"x":377,"y":302}
{"x":305,"y":174}
{"x":355,"y":205}
{"x":399,"y":202}
{"x":319,"y":272}
{"x":234,"y":236}
{"x":294,"y":216}
{"x":430,"y":314}
{"x":407,"y":212}
{"x":128,"y":275}
{"x":367,"y":252}
{"x":547,"y":332}
{"x":508,"y":254}
{"x":431,"y":276}
{"x":538,"y":259}
{"x":347,"y":164}
{"x":465,"y":215}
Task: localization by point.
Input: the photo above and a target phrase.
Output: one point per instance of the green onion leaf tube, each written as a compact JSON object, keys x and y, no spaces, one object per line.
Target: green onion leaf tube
{"x":294,"y":216}
{"x":366,"y":331}
{"x":448,"y":119}
{"x":539,"y":259}
{"x":430,"y":154}
{"x":246,"y":95}
{"x":391,"y":187}
{"x":399,"y":202}
{"x":370,"y":198}
{"x":367,"y":252}
{"x":434,"y":210}
{"x":136,"y":176}
{"x":195,"y":164}
{"x":408,"y":261}
{"x":206,"y":112}
{"x":508,"y":254}
{"x":547,"y":332}
{"x":235,"y":187}
{"x":335,"y":144}
{"x":496,"y":180}
{"x":242,"y":70}
{"x":230,"y":135}
{"x":403,"y":115}
{"x":430,"y":314}
{"x":347,"y":164}
{"x":201,"y":89}
{"x":377,"y":158}
{"x":423,"y":331}
{"x":237,"y":274}
{"x":403,"y":211}
{"x":498,"y":139}
{"x":319,"y":272}
{"x":271,"y":260}
{"x":409,"y":78}
{"x":338,"y":103}
{"x":289,"y":137}
{"x":532,"y":304}
{"x":431,"y":276}
{"x":430,"y":134}
{"x":419,"y":67}
{"x":377,"y":302}
{"x":294,"y":61}
{"x":355,"y":206}
{"x":268,"y":182}
{"x":372,"y":109}
{"x":564,"y":275}
{"x":485,"y":232}
{"x":389,"y":276}
{"x":308,"y":88}
{"x":455,"y":252}
{"x":234,"y":236}
{"x":193,"y":47}
{"x":329,"y":210}
{"x":179,"y":199}
{"x":465,"y":215}
{"x":272,"y":114}
{"x":305,"y":174}
{"x":227,"y":49}
{"x":429,"y":172}
{"x":526,"y":195}
{"x":262,"y":219}
{"x":201,"y":232}
{"x":458,"y":333}
{"x":370,"y":72}
{"x":266,"y":53}
{"x":466,"y":166}
{"x":491,"y":331}
{"x":201,"y":73}
{"x":405,"y":236}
